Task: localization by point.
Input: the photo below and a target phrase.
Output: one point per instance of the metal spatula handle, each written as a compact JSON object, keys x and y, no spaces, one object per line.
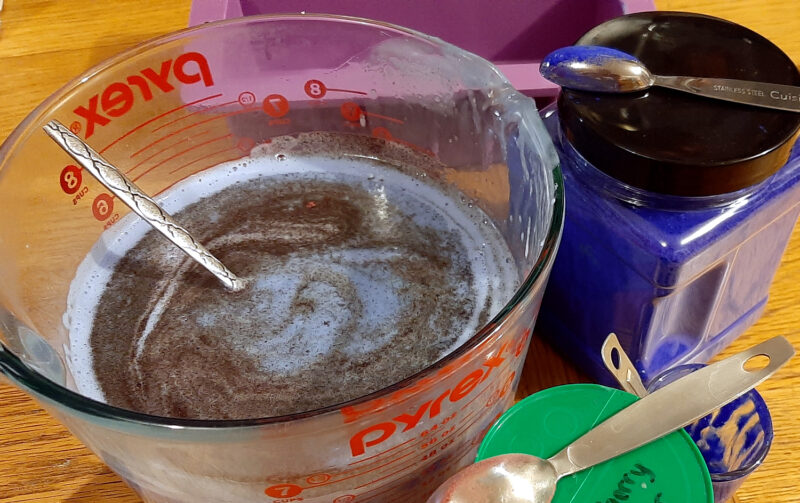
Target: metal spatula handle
{"x":673,"y":407}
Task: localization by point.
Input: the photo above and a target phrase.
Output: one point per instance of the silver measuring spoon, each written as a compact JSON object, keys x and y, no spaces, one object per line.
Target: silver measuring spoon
{"x":623,"y":370}
{"x":142,"y":204}
{"x":606,"y":70}
{"x":522,"y":478}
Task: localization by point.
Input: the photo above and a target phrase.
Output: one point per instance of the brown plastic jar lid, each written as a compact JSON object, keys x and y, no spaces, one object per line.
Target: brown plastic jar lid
{"x":670,"y":142}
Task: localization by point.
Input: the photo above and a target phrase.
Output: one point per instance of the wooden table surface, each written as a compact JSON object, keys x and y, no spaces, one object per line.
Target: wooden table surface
{"x":44,"y":43}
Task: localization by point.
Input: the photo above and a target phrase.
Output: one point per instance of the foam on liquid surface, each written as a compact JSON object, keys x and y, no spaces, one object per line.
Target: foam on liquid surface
{"x":360,"y":275}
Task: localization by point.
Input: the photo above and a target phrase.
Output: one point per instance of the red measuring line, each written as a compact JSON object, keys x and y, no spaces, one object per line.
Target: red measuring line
{"x":143,"y":124}
{"x":195,"y":112}
{"x":382,"y":452}
{"x":198,"y":171}
{"x":221,"y":116}
{"x":406,"y":467}
{"x":347,"y":91}
{"x":154,"y":166}
{"x":464,"y":451}
{"x":167,"y":148}
{"x":384,"y":117}
{"x":359,"y":474}
{"x":459,"y":454}
{"x":396,"y":458}
{"x":372,"y":495}
{"x":466,"y":418}
{"x":456,"y":456}
{"x":476,"y":396}
{"x":464,"y":427}
{"x":207,"y":157}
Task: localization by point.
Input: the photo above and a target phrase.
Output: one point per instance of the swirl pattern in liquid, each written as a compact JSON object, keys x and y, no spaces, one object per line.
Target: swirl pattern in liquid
{"x":361,"y":273}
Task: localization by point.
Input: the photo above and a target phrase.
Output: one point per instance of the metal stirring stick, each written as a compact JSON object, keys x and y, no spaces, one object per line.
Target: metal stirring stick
{"x":142,"y":204}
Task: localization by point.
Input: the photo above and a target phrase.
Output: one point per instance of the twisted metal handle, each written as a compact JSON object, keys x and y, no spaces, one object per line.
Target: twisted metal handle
{"x":142,"y":204}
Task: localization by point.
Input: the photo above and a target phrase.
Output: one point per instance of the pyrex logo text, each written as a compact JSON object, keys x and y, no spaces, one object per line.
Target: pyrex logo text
{"x":119,"y":97}
{"x":381,"y":432}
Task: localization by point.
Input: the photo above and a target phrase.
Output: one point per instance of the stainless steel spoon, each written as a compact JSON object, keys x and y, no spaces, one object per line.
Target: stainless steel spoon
{"x":621,"y":367}
{"x":142,"y":204}
{"x":606,"y":70}
{"x":522,"y":478}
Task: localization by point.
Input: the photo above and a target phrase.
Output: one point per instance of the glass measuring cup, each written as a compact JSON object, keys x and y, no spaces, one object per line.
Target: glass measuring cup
{"x":186,"y":102}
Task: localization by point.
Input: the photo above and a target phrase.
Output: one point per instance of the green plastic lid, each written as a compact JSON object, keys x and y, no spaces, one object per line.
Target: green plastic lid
{"x":668,"y":470}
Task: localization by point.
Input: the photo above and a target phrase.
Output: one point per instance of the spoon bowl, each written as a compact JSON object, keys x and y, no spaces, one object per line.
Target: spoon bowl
{"x":596,"y":69}
{"x":519,"y":478}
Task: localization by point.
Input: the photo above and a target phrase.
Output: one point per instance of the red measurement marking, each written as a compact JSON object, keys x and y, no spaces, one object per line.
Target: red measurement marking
{"x":222,"y":116}
{"x":143,"y":124}
{"x":382,"y":132}
{"x":406,"y":467}
{"x":319,"y":478}
{"x":208,"y":156}
{"x":173,"y":156}
{"x":371,"y":495}
{"x":358,"y":474}
{"x":475,"y":397}
{"x":315,"y":89}
{"x":445,"y":435}
{"x":362,"y":93}
{"x":182,"y":140}
{"x":212,"y":165}
{"x":102,"y":206}
{"x":283,"y":490}
{"x":381,"y":453}
{"x":194,"y":113}
{"x":70,"y":179}
{"x":275,"y":105}
{"x":507,"y":385}
{"x":384,"y":117}
{"x":466,"y":418}
{"x":246,"y":98}
{"x":462,"y":428}
{"x":351,"y":111}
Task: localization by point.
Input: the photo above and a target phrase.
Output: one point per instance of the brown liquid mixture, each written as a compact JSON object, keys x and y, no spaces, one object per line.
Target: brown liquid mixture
{"x":349,"y":291}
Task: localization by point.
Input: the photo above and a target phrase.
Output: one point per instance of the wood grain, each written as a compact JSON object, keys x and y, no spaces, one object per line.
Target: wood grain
{"x":43,"y":44}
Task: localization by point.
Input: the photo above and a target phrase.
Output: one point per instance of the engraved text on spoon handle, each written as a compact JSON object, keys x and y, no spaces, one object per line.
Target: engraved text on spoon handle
{"x":775,"y":96}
